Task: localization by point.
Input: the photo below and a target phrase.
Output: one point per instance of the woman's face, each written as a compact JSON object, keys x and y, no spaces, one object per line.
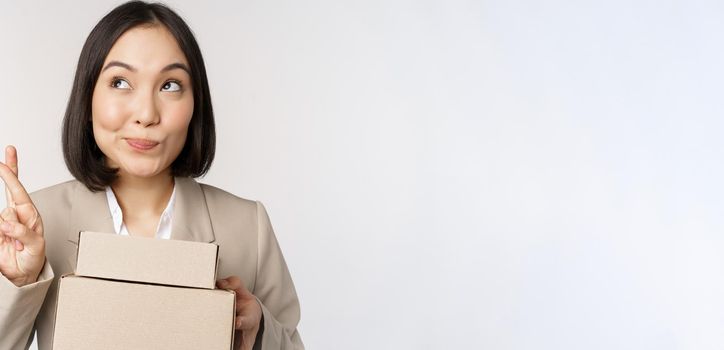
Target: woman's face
{"x":143,"y":102}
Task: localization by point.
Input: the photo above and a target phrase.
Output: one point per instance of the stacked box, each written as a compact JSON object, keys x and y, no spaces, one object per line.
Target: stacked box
{"x":143,"y":293}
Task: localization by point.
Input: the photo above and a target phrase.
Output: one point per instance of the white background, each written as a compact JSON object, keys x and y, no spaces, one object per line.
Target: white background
{"x":449,"y":174}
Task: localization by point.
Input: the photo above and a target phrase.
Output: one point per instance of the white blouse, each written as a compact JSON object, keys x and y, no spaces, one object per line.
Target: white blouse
{"x":163,"y":230}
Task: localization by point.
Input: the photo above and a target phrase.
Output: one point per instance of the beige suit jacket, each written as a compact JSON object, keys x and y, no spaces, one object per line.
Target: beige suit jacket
{"x":203,"y":213}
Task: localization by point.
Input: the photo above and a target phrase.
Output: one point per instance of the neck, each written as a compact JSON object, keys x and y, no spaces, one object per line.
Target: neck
{"x":143,"y":196}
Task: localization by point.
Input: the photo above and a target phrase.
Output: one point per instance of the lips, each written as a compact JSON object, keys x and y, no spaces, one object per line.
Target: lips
{"x":141,"y":144}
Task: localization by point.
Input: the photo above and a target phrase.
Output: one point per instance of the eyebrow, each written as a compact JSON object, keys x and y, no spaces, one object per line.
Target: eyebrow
{"x":171,"y":66}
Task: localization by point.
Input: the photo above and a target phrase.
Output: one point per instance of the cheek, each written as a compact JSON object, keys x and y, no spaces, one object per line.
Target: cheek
{"x":108,"y":114}
{"x":179,"y":117}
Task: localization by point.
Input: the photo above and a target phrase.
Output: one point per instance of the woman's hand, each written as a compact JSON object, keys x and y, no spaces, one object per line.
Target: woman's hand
{"x":22,"y":245}
{"x":248,"y":313}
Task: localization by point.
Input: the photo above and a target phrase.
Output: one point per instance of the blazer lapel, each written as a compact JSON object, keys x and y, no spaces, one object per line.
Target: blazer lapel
{"x":89,"y":212}
{"x":191,"y":221}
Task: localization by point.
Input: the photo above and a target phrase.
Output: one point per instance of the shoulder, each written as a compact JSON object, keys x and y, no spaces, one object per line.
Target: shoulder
{"x":218,"y":197}
{"x":56,"y":194}
{"x":228,"y":208}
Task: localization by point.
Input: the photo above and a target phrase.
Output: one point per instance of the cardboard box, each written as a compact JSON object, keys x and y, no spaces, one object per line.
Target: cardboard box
{"x":149,"y":260}
{"x":96,"y":314}
{"x":143,"y":293}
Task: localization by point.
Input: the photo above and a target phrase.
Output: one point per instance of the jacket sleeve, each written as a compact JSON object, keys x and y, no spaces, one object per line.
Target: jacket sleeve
{"x":275,"y":291}
{"x":18,"y":308}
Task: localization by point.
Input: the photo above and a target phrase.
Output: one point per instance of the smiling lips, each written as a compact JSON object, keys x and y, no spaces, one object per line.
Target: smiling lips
{"x":141,"y":144}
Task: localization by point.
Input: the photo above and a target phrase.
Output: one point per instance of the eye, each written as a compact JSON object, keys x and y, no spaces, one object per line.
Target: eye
{"x":119,"y":83}
{"x":172,"y":86}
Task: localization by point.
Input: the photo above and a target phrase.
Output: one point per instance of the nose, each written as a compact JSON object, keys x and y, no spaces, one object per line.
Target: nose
{"x":147,"y":113}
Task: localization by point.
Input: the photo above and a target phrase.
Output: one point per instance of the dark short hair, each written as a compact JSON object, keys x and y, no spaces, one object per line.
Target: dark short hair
{"x":82,"y":156}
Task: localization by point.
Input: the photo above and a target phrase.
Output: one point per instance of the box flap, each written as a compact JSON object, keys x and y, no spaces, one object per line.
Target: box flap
{"x":148,"y":260}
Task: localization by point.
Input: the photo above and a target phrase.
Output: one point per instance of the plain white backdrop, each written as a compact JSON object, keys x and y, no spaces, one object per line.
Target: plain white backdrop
{"x":499,"y":174}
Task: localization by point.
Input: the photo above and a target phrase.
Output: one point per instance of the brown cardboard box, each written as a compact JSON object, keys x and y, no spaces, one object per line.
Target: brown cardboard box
{"x":139,"y":259}
{"x":139,"y":293}
{"x":97,"y":314}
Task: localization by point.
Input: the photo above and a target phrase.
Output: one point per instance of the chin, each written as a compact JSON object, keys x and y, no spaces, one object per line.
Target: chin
{"x":135,"y":173}
{"x":144,"y":174}
{"x":143,"y":171}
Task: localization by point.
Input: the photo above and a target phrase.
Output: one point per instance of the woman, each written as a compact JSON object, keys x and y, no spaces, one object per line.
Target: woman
{"x":138,"y":128}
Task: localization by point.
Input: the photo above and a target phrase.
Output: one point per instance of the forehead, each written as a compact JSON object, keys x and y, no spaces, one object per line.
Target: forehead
{"x":148,"y":48}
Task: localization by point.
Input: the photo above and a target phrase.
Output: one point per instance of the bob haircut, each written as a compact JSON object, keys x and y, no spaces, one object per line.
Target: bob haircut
{"x":82,"y":156}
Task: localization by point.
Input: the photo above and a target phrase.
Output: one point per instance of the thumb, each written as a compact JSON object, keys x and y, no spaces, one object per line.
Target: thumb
{"x":28,"y":215}
{"x":9,"y":214}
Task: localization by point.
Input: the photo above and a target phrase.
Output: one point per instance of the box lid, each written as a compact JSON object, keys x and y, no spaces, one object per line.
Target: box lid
{"x":148,"y":260}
